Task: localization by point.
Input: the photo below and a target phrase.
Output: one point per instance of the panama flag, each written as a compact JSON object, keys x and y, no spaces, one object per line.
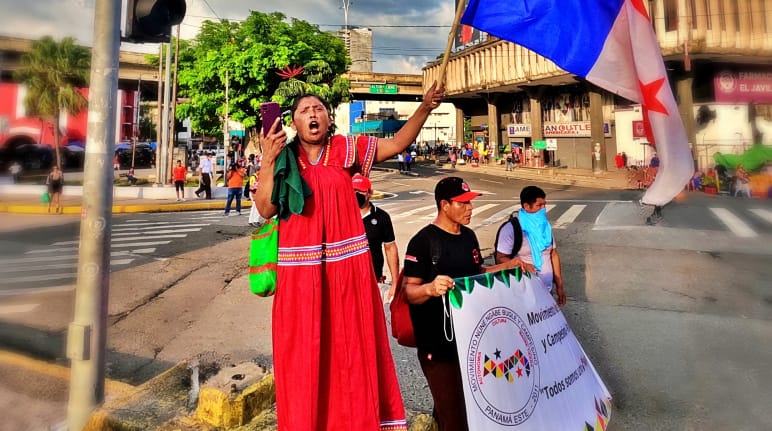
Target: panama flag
{"x":612,"y":44}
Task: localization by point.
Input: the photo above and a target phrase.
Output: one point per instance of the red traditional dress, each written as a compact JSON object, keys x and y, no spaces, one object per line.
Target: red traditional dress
{"x":332,"y":360}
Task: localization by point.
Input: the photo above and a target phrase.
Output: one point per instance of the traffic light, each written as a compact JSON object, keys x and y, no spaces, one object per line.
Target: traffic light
{"x":151,"y":21}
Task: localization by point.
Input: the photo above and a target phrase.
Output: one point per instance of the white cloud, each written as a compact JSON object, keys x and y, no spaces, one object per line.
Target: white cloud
{"x":395,"y":49}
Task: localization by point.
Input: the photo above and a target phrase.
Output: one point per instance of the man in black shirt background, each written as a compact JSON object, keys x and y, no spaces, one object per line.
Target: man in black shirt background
{"x":379,"y":231}
{"x":438,"y":253}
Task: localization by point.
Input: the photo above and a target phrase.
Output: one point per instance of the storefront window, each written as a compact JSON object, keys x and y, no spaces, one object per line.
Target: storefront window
{"x":566,"y":107}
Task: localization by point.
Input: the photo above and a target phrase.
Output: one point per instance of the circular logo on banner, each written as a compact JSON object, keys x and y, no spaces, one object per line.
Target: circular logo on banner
{"x":502,"y":367}
{"x":726,"y":81}
{"x":373,"y":222}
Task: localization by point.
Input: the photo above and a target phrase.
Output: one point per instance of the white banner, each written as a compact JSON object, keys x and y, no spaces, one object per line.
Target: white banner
{"x":522,"y":366}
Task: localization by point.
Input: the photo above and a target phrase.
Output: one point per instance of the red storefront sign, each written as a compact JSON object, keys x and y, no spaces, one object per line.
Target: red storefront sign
{"x":639,"y":131}
{"x":733,"y":87}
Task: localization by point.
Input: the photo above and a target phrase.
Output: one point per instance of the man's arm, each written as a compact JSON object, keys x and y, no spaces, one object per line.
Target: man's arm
{"x":557,"y":277}
{"x":392,"y":260}
{"x":418,"y":292}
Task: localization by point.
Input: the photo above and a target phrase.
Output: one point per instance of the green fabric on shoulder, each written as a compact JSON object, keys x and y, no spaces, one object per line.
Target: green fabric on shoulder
{"x":289,"y":189}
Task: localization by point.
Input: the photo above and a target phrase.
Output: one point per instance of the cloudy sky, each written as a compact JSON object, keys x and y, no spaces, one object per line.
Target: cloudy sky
{"x":406,"y":34}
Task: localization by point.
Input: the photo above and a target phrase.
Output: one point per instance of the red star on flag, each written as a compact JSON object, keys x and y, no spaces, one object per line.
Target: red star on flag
{"x":650,"y":102}
{"x":638,"y":5}
{"x":519,"y":372}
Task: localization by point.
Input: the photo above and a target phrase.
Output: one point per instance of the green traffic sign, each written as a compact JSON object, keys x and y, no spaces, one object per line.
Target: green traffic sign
{"x":384,"y":89}
{"x":539,"y":145}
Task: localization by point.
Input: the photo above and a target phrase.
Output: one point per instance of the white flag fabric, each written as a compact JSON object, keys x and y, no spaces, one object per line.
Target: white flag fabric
{"x":522,"y":366}
{"x":612,"y":44}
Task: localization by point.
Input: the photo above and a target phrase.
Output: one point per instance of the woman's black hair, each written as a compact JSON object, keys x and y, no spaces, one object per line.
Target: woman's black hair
{"x":304,"y":96}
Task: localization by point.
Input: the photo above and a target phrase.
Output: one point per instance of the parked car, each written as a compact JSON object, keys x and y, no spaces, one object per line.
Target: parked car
{"x":144,"y":156}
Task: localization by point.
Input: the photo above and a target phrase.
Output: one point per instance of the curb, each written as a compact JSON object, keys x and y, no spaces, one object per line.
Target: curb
{"x":113,"y":387}
{"x":116,"y":209}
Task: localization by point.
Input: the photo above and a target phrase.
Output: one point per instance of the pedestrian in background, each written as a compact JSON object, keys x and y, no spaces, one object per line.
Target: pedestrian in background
{"x":55,"y":183}
{"x":509,"y":162}
{"x":380,"y":234}
{"x":333,"y":364}
{"x":438,"y":253}
{"x":206,"y":177}
{"x":15,"y":171}
{"x":235,"y":181}
{"x":179,"y":175}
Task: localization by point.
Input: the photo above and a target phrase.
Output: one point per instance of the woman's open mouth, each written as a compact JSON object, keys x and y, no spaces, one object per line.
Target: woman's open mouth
{"x":313,"y":126}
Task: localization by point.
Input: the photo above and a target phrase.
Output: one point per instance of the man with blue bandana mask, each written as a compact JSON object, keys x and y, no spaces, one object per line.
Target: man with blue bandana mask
{"x":538,"y":248}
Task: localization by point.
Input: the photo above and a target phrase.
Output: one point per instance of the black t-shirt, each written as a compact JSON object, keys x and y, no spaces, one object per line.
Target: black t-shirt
{"x":379,"y":231}
{"x":459,"y":256}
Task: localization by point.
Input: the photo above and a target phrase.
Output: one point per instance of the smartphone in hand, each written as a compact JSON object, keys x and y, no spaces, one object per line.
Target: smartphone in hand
{"x":269,"y":111}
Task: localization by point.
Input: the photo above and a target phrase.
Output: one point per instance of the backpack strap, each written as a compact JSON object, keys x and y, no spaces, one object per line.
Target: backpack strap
{"x":518,"y":233}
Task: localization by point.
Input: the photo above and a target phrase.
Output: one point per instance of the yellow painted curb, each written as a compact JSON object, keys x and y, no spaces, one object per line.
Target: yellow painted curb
{"x":223,"y":410}
{"x":116,"y":209}
{"x":57,"y":371}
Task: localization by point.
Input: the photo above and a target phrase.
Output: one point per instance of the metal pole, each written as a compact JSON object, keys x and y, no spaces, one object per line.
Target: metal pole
{"x":87,"y":334}
{"x":225,"y":137}
{"x":158,"y":126}
{"x":163,"y":144}
{"x":173,"y":133}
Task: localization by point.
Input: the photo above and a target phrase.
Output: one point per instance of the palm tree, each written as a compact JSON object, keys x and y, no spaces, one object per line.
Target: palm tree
{"x":53,"y":72}
{"x":320,"y":80}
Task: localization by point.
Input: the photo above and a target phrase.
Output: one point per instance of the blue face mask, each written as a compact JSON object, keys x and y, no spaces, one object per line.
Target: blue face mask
{"x":539,"y":232}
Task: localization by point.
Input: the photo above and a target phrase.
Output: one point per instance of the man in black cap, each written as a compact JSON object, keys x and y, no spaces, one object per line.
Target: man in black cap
{"x":438,"y":253}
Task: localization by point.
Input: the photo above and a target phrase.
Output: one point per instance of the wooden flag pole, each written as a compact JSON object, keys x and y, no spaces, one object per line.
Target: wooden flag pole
{"x":459,"y":11}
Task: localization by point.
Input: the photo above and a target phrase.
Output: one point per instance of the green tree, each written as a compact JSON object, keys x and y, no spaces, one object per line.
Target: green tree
{"x":252,"y":52}
{"x":53,"y":73}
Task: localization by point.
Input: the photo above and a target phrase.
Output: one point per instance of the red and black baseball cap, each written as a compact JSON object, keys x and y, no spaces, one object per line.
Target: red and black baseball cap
{"x":361,"y":183}
{"x":454,"y":189}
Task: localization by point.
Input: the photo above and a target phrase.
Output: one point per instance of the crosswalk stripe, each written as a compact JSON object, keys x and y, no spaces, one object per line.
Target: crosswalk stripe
{"x":15,"y":261}
{"x":159,"y":232}
{"x":139,"y":244}
{"x":155,"y":223}
{"x":131,"y":238}
{"x":34,"y":278}
{"x":156,"y":227}
{"x":413,"y":211}
{"x":569,"y":216}
{"x":734,"y":223}
{"x":498,"y":217}
{"x":17,"y":268}
{"x":550,"y":207}
{"x":134,"y":238}
{"x":763,"y":214}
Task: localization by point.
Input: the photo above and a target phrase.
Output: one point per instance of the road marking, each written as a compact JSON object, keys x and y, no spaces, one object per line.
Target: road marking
{"x":14,"y":309}
{"x":139,"y":244}
{"x":492,"y":181}
{"x":763,"y":214}
{"x":549,"y":207}
{"x":69,"y":265}
{"x":132,"y":252}
{"x":130,"y":238}
{"x":159,"y":232}
{"x":37,"y":259}
{"x":33,"y":278}
{"x":156,"y":227}
{"x":134,"y":238}
{"x":569,"y":216}
{"x":734,"y":223}
{"x":498,"y":217}
{"x":413,"y":211}
{"x":483,"y":208}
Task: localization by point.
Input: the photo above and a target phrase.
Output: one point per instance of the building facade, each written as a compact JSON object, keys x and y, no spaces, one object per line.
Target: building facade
{"x":359,"y":45}
{"x":719,"y":58}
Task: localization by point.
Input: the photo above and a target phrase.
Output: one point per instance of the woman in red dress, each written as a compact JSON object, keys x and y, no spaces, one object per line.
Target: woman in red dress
{"x":332,"y":361}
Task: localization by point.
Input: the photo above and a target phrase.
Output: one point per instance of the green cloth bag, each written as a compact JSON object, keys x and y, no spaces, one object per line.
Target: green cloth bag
{"x":263,"y":258}
{"x":45,"y":198}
